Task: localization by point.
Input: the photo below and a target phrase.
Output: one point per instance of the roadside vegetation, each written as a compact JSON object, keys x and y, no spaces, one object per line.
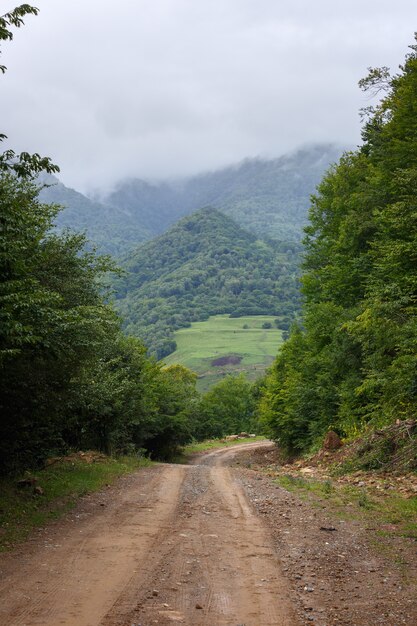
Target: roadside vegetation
{"x":389,"y":449}
{"x":390,"y":514}
{"x":365,"y":481}
{"x":389,"y":519}
{"x":351,"y":364}
{"x":44,"y":495}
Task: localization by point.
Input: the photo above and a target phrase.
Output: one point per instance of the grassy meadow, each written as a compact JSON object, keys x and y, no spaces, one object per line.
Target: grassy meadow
{"x":239,"y":339}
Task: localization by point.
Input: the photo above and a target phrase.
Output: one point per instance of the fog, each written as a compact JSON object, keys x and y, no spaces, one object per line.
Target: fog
{"x":168,"y":88}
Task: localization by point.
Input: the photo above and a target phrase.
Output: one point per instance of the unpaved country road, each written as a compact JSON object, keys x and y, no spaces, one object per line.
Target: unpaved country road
{"x":171,"y":544}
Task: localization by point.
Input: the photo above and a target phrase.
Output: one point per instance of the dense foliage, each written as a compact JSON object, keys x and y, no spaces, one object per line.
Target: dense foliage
{"x":354,"y":361}
{"x":204,"y":265}
{"x":227,"y":409}
{"x":69,"y":378}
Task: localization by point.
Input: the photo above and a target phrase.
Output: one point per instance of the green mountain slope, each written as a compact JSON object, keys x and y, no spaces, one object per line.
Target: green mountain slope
{"x":204,"y":265}
{"x":267,"y":197}
{"x":110,"y":229}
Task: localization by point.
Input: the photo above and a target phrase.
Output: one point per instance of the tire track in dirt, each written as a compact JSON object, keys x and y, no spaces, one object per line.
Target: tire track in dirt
{"x":73,"y":577}
{"x":217,"y":566}
{"x":176,"y":544}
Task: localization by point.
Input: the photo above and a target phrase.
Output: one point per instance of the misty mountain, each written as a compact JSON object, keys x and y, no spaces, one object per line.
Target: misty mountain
{"x":204,"y":265}
{"x":267,"y":197}
{"x":110,"y":229}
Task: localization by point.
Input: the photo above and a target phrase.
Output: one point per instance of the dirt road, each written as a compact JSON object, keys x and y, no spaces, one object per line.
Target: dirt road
{"x":171,"y":544}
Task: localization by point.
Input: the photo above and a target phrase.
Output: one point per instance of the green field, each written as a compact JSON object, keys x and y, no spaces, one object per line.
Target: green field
{"x":253,"y":348}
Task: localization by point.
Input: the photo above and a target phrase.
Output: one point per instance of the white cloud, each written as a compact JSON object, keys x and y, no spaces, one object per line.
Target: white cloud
{"x":158,"y":88}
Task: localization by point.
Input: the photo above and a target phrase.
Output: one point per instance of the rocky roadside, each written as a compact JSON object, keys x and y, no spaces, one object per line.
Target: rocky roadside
{"x":340,"y":569}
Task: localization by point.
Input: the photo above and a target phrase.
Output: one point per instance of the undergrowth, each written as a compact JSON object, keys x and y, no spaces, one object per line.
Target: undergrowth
{"x":390,"y":449}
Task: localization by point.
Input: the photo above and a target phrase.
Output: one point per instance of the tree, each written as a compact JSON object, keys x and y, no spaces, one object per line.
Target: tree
{"x":117,"y":408}
{"x":387,"y":326}
{"x":353,"y":363}
{"x":176,"y":401}
{"x":52,"y":321}
{"x":227,"y":408}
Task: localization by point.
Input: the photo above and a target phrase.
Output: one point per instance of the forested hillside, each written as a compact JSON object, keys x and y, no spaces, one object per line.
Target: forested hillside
{"x":267,"y":197}
{"x":69,"y":378}
{"x":354,"y":362}
{"x":110,"y":229}
{"x":204,"y":265}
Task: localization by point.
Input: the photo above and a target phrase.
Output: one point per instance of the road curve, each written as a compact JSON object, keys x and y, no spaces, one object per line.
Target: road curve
{"x":172,"y":544}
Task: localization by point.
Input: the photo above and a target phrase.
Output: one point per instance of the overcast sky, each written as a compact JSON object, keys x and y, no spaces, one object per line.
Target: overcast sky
{"x":161,"y":88}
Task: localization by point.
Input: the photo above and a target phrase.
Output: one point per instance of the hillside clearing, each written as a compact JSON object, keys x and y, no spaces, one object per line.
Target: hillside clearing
{"x":250,"y":348}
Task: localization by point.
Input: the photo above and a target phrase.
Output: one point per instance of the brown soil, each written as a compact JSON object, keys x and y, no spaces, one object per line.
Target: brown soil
{"x":227,"y":360}
{"x":203,"y":544}
{"x":163,"y":543}
{"x":340,"y":569}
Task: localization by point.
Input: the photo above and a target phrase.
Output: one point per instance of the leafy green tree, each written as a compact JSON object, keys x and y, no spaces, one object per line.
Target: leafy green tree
{"x":387,"y":326}
{"x":176,"y":401}
{"x":52,"y":321}
{"x":117,"y":404}
{"x":228,"y":408}
{"x":354,"y":361}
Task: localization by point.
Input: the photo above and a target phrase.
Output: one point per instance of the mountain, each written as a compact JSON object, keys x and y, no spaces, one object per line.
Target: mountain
{"x":267,"y":197}
{"x":204,"y":265}
{"x":110,"y":229}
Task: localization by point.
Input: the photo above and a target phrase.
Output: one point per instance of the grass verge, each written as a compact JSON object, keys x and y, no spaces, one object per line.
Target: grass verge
{"x":389,"y":515}
{"x":62,"y":484}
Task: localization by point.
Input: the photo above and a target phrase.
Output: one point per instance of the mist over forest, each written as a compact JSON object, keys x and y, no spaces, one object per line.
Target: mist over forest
{"x":269,"y":198}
